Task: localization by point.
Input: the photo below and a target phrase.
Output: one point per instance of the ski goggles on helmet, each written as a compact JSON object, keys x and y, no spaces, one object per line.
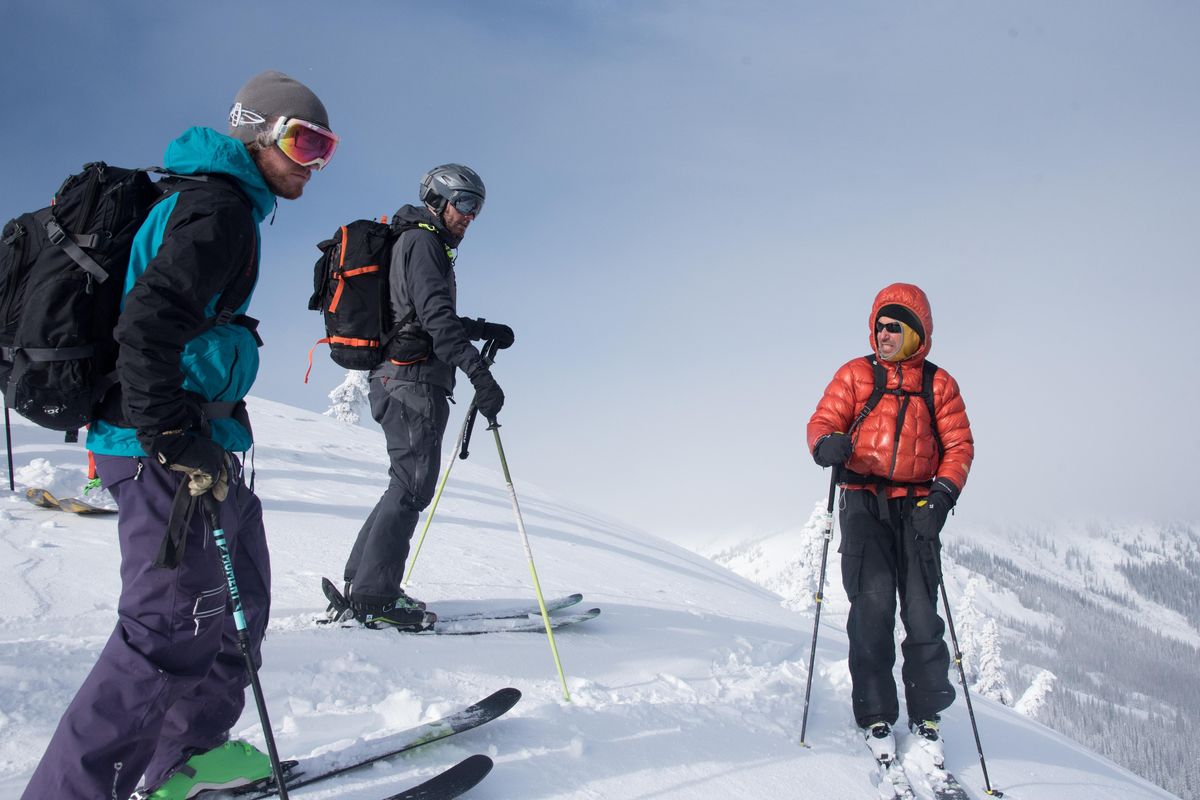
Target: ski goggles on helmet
{"x":306,"y":143}
{"x":467,"y":203}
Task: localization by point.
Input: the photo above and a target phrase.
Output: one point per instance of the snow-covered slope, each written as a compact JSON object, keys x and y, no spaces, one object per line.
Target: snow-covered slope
{"x":689,"y":685}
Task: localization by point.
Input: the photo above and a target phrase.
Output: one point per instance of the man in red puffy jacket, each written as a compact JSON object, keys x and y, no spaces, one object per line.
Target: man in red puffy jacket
{"x":896,"y":428}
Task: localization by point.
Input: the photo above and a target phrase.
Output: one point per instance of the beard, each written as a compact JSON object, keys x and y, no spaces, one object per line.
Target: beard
{"x":282,"y":175}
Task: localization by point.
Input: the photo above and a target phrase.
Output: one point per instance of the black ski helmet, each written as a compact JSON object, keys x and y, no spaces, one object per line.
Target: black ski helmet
{"x":441,"y":184}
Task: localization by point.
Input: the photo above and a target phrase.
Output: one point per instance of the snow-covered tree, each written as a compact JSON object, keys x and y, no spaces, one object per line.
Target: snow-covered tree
{"x":347,"y":401}
{"x":798,"y":585}
{"x":992,"y":681}
{"x":1034,"y":698}
{"x":968,"y":627}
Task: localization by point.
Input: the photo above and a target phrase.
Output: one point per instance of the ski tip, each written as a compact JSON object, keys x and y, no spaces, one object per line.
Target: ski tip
{"x":478,"y":764}
{"x":41,"y":498}
{"x":460,"y":778}
{"x":507,"y":697}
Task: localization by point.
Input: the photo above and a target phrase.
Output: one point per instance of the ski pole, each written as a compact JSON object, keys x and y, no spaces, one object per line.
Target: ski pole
{"x":820,"y":598}
{"x":962,"y":674}
{"x":464,"y":437}
{"x":494,"y":427}
{"x":213,"y":508}
{"x":436,"y":498}
{"x":489,"y":358}
{"x":12,"y":486}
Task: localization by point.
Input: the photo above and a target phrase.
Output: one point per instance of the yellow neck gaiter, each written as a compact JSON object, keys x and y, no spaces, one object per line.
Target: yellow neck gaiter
{"x":910,"y":344}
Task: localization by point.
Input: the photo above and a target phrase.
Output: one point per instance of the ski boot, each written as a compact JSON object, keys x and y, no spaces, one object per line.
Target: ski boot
{"x":406,"y":602}
{"x":929,"y":739}
{"x":335,"y":613}
{"x":231,"y":765}
{"x":881,"y":741}
{"x":380,"y":616}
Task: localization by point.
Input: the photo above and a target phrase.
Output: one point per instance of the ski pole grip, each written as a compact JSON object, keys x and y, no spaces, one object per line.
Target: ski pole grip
{"x":489,"y":358}
{"x":472,"y":412}
{"x":212,"y":509}
{"x":489,"y":352}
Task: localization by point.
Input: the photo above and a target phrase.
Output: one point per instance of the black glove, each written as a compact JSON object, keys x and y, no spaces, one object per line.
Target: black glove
{"x":482,"y":329}
{"x":929,"y":514}
{"x":502,"y":334}
{"x":201,"y":459}
{"x":488,"y":397}
{"x":832,"y":449}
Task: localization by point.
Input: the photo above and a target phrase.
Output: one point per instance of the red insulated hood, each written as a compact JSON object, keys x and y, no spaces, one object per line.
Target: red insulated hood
{"x":912,"y":298}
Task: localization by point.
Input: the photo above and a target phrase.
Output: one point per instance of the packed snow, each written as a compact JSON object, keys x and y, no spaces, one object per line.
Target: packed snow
{"x":690,"y":684}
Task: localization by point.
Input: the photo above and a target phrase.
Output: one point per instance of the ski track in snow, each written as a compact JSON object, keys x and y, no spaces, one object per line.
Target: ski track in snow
{"x":689,"y":685}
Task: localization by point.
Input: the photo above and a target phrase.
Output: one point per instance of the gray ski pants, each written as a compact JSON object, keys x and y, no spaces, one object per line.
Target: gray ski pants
{"x":413,"y":416}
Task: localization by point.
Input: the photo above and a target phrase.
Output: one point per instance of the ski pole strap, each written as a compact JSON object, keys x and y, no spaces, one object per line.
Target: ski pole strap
{"x":170,"y":552}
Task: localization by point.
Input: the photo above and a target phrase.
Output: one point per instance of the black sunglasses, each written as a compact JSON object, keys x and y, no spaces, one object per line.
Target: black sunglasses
{"x":890,"y":327}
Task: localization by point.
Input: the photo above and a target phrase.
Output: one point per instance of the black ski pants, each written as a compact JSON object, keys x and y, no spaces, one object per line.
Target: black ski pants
{"x":413,"y":416}
{"x":882,"y":560}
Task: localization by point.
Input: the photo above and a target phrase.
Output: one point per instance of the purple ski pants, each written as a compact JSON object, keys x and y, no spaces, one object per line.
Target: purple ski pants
{"x":171,"y":680}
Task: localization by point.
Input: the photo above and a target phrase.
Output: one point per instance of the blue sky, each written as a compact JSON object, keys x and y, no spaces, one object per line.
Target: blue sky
{"x":692,"y":205}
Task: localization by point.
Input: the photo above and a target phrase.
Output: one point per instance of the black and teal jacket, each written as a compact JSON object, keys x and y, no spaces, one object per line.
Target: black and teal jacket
{"x":189,"y":250}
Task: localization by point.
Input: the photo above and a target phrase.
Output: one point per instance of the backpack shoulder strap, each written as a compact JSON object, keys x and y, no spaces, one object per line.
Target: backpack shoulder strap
{"x":242,"y":284}
{"x":880,"y":374}
{"x":928,"y":370}
{"x":399,"y":228}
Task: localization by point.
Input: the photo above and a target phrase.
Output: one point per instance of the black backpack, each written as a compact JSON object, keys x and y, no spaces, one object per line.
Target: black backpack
{"x":62,"y":276}
{"x":350,"y":289}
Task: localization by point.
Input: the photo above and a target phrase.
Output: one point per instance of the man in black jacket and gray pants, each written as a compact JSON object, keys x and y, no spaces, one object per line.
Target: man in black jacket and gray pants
{"x":410,"y":389}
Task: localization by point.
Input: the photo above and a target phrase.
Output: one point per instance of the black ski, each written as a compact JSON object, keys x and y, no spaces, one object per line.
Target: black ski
{"x":486,"y":710}
{"x":457,"y":780}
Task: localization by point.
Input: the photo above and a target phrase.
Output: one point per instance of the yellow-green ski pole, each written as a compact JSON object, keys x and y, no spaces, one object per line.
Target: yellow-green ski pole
{"x":494,"y":427}
{"x":464,"y":440}
{"x":437,"y":497}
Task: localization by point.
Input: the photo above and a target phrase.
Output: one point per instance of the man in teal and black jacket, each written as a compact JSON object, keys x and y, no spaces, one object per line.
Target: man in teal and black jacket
{"x":170,"y":682}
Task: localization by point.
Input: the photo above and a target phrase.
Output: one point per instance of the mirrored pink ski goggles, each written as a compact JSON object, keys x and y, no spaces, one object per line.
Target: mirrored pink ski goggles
{"x":306,"y":143}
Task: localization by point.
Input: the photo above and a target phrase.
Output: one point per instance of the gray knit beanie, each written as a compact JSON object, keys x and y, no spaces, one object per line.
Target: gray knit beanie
{"x":267,"y":96}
